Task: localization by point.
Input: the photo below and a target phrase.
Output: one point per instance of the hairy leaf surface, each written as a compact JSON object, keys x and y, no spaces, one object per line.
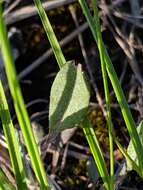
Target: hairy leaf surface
{"x":69,"y":98}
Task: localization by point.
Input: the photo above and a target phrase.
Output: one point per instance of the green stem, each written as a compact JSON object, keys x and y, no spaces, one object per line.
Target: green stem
{"x":19,"y":105}
{"x":50,"y":34}
{"x":106,"y":89}
{"x":96,"y":151}
{"x":130,"y":123}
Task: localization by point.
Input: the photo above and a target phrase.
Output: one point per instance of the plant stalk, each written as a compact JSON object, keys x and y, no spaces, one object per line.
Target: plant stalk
{"x":130,"y":123}
{"x":19,"y":105}
{"x":106,"y":90}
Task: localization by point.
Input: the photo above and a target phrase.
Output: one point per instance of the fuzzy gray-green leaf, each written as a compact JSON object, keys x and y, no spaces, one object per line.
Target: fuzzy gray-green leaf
{"x":69,"y":98}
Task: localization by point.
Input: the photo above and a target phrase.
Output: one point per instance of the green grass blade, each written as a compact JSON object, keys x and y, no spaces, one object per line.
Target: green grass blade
{"x":12,"y":142}
{"x":117,"y":89}
{"x":50,"y":34}
{"x":4,"y":183}
{"x":88,"y":131}
{"x":106,"y":88}
{"x":19,"y":105}
{"x":96,"y":151}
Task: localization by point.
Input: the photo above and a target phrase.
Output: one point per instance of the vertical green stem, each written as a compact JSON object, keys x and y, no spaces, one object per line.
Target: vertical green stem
{"x":106,"y":88}
{"x":96,"y":152}
{"x":19,"y":105}
{"x":50,"y":34}
{"x":130,"y":123}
